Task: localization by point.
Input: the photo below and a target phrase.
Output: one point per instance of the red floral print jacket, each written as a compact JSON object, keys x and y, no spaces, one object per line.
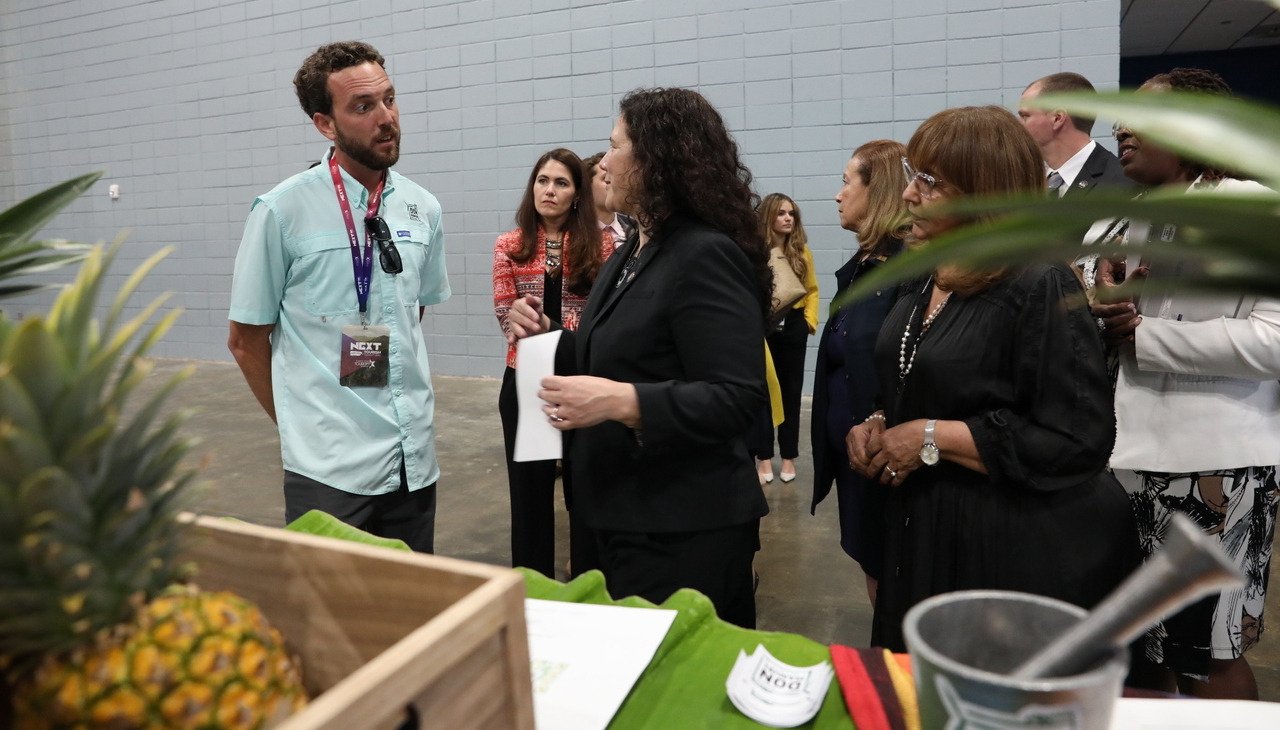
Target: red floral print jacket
{"x":512,"y":280}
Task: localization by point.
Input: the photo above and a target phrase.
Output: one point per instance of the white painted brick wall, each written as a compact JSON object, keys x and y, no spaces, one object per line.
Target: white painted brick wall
{"x":191,"y":110}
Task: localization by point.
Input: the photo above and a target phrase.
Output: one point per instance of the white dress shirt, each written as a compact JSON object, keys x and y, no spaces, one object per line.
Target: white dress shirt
{"x":1070,"y":169}
{"x":616,"y":229}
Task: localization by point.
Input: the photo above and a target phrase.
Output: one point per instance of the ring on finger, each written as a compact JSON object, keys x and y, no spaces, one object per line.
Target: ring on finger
{"x":555,"y":414}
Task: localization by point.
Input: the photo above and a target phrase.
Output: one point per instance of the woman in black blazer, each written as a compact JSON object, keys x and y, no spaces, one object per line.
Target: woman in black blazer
{"x":671,"y":355}
{"x":844,"y":384}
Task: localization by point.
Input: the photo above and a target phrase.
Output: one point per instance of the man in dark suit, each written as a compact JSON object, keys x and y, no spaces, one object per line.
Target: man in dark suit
{"x":1074,"y":163}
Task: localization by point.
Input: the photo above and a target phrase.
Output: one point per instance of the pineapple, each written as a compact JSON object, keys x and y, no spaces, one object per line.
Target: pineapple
{"x":96,"y":629}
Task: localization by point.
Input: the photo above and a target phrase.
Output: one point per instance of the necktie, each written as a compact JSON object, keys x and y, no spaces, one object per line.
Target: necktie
{"x":1055,"y":184}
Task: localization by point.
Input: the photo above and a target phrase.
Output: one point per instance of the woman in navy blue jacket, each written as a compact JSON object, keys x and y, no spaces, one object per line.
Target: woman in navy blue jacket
{"x":844,"y":386}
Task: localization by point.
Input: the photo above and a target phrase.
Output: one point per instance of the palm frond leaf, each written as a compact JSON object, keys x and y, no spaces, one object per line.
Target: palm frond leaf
{"x":1234,"y":236}
{"x":19,"y":253}
{"x":1235,"y":134}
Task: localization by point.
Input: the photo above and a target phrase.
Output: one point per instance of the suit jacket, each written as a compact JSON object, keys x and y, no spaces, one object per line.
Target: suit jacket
{"x":862,"y":322}
{"x":688,"y":331}
{"x":1102,"y":169}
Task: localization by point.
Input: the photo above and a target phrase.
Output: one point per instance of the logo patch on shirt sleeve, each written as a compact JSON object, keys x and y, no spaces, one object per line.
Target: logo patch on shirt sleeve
{"x":402,"y":234}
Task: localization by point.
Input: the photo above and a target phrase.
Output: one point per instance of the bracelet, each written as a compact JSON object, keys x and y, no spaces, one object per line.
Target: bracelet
{"x":874,"y":415}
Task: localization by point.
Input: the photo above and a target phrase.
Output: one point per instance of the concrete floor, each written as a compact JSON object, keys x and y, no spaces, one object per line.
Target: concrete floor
{"x":807,"y":584}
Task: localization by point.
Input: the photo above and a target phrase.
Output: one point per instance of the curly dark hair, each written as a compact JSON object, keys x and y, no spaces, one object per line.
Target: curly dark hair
{"x":312,"y":80}
{"x":688,"y":165}
{"x":1201,"y":81}
{"x":582,"y":252}
{"x":1192,"y":79}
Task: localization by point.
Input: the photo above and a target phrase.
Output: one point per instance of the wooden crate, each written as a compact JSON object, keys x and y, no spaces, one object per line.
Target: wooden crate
{"x":383,"y":635}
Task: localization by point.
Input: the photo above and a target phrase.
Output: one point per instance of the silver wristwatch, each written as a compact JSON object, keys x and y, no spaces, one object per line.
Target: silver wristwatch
{"x":929,"y":453}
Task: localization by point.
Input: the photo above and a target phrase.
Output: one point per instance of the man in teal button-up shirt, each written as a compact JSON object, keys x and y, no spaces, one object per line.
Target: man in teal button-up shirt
{"x":365,"y":454}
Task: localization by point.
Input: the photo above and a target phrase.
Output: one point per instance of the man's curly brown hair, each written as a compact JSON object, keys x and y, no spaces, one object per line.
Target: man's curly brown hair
{"x":688,"y":166}
{"x":312,"y":80}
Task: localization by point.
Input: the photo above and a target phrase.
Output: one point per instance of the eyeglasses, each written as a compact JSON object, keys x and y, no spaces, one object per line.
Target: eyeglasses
{"x":388,"y":256}
{"x":925,"y":182}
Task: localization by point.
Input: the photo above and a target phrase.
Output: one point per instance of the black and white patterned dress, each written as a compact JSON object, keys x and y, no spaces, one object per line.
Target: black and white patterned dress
{"x":1238,"y":506}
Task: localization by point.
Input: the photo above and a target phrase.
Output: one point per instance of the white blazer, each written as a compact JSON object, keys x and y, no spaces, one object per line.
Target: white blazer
{"x":1198,"y":390}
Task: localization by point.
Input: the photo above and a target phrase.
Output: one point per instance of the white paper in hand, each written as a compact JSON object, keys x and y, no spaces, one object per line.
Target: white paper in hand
{"x":775,"y":693}
{"x":536,"y":438}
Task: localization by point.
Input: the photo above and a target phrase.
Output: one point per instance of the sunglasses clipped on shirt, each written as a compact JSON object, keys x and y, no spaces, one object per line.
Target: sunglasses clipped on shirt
{"x":388,"y":256}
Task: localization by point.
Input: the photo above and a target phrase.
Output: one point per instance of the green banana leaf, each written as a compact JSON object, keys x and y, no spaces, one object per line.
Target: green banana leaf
{"x":684,"y":685}
{"x":324,"y":524}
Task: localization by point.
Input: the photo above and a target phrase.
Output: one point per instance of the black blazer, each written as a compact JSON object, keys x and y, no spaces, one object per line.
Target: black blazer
{"x":688,"y":331}
{"x":1102,"y":169}
{"x":861,"y":327}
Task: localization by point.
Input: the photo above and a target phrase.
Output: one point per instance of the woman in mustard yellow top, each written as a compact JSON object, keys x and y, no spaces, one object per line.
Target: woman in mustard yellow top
{"x":782,"y":229}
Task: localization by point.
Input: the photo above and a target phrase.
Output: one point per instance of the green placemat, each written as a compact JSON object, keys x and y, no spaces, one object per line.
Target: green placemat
{"x":684,"y":684}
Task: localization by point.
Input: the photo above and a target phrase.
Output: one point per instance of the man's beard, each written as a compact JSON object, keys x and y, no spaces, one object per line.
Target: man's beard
{"x":365,"y":154}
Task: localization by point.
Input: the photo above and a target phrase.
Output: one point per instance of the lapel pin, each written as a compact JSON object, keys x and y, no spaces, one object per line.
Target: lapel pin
{"x":1083,"y":184}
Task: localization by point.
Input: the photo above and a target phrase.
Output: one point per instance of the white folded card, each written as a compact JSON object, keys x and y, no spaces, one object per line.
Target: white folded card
{"x":585,"y":659}
{"x":536,"y":438}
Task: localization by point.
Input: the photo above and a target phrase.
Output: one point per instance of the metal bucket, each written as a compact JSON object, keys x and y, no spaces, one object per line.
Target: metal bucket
{"x":964,"y":644}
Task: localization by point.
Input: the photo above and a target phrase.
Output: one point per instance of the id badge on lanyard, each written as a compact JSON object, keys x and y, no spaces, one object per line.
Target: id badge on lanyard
{"x":364,"y":348}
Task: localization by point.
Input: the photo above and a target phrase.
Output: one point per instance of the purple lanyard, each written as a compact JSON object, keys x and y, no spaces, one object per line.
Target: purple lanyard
{"x":361,"y":261}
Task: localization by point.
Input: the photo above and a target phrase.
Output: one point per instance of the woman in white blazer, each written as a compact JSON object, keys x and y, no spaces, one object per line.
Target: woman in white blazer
{"x":1198,"y":424}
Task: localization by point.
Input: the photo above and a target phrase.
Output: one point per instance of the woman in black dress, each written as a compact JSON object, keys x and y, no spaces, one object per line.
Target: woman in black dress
{"x":844,"y":385}
{"x":997,"y":420}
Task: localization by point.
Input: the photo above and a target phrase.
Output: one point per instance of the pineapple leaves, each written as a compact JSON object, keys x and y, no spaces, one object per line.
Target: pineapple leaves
{"x":90,"y":483}
{"x":37,"y":358}
{"x":130,"y":284}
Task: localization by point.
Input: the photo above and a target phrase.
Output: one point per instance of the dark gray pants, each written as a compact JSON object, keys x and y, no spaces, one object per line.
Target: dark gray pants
{"x":403,"y":515}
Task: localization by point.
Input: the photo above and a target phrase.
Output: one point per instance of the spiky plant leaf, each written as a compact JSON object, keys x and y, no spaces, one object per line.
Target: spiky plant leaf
{"x":1235,"y":238}
{"x":19,"y":254}
{"x":1232,"y":133}
{"x":91,"y":483}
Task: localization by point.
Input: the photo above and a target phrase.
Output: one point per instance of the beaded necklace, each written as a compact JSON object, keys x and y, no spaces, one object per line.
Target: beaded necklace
{"x":905,"y":362}
{"x":553,"y":253}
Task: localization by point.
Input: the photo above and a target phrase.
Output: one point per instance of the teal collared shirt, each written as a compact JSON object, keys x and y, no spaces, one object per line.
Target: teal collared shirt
{"x":294,"y":270}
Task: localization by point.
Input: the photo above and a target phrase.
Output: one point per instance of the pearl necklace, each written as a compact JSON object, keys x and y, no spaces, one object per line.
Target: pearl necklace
{"x":905,"y":363}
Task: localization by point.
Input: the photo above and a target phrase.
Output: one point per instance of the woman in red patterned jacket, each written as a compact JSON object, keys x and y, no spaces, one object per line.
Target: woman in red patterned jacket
{"x":555,"y":255}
